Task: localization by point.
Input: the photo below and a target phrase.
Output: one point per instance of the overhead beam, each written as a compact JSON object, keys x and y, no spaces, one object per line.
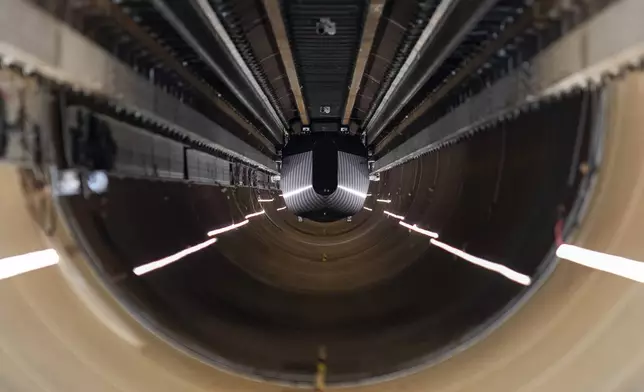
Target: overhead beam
{"x":275,"y":128}
{"x":527,"y":19}
{"x":431,"y":49}
{"x":368,"y":35}
{"x":220,"y":31}
{"x":605,"y":44}
{"x":274,"y":13}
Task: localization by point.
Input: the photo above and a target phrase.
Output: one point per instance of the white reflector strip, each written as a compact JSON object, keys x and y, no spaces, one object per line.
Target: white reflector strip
{"x":16,"y":265}
{"x":419,"y":230}
{"x":383,"y":200}
{"x":171,"y":259}
{"x":627,"y":268}
{"x":394,"y":215}
{"x":281,"y":208}
{"x":501,"y":269}
{"x":227,"y":228}
{"x":367,"y":208}
{"x":254,"y":214}
{"x":297,"y":191}
{"x":265,"y":200}
{"x":353,"y":191}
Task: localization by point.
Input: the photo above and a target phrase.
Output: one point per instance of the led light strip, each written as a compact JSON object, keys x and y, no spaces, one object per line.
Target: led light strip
{"x":16,"y":265}
{"x":281,"y":208}
{"x":265,"y":200}
{"x":400,"y":217}
{"x":621,"y":266}
{"x":297,"y":191}
{"x":352,"y":191}
{"x":383,"y":200}
{"x":227,"y":228}
{"x":501,"y":269}
{"x":419,"y":230}
{"x":254,"y":214}
{"x":151,"y":266}
{"x":367,"y":208}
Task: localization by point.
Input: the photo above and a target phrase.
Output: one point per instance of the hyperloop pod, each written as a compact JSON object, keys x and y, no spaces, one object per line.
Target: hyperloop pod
{"x":89,"y":323}
{"x":325,"y":176}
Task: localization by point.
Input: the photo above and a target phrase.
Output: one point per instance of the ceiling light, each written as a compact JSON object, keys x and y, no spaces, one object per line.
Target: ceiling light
{"x":501,"y":269}
{"x":227,"y":228}
{"x":16,"y":265}
{"x":367,"y":208}
{"x":265,"y":200}
{"x":281,"y":208}
{"x":627,"y":268}
{"x":151,"y":266}
{"x":383,"y":200}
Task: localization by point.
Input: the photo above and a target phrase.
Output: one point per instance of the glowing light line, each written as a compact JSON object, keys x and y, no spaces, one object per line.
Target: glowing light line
{"x":151,"y":266}
{"x":254,"y":214}
{"x":295,"y":192}
{"x":419,"y":230}
{"x":20,"y":264}
{"x":352,"y":191}
{"x":501,"y":269}
{"x":227,"y":228}
{"x":621,"y":266}
{"x":400,"y":217}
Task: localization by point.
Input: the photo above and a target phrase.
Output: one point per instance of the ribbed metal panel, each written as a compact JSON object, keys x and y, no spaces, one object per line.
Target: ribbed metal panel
{"x":297,"y":173}
{"x":353,"y":173}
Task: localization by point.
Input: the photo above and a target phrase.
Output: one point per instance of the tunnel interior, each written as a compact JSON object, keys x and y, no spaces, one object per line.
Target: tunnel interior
{"x":381,"y":299}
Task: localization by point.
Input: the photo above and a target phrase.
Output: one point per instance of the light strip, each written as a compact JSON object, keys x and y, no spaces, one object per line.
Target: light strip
{"x":16,"y":265}
{"x":419,"y":230}
{"x":281,"y":208}
{"x":265,"y":200}
{"x":501,"y":269}
{"x":367,"y":208}
{"x":627,"y":268}
{"x":297,"y":191}
{"x":151,"y":266}
{"x":353,"y":191}
{"x":254,"y":214}
{"x":383,"y":200}
{"x":227,"y":228}
{"x":394,"y":215}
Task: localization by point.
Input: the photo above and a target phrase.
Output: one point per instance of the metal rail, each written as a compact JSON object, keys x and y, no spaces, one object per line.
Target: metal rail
{"x":412,"y":70}
{"x":281,"y":37}
{"x":525,"y":20}
{"x":40,"y":43}
{"x":604,"y":45}
{"x":218,"y":29}
{"x":368,"y":34}
{"x":189,"y":38}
